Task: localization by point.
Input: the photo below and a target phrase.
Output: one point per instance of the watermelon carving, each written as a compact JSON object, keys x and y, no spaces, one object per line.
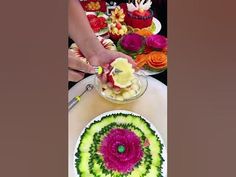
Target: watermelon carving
{"x":97,"y":23}
{"x":119,"y":145}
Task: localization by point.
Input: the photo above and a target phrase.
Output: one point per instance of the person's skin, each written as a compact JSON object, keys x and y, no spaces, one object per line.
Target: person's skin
{"x":75,"y":63}
{"x":83,"y":35}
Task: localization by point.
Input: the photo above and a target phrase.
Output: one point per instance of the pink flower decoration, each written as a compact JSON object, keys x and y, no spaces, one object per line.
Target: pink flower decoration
{"x":158,"y":42}
{"x":121,"y":150}
{"x":132,"y":42}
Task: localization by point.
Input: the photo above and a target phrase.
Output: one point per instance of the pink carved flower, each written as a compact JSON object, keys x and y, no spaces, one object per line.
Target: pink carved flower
{"x":132,"y":42}
{"x":158,"y":42}
{"x":121,"y":150}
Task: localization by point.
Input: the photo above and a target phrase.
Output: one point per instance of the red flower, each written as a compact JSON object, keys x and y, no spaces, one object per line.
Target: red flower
{"x":121,"y":150}
{"x":157,"y":42}
{"x":132,"y":42}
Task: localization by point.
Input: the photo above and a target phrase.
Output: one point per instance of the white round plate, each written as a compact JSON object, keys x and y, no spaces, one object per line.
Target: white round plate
{"x":104,"y":30}
{"x":157,"y":24}
{"x":152,"y":105}
{"x":98,"y":118}
{"x":151,"y":73}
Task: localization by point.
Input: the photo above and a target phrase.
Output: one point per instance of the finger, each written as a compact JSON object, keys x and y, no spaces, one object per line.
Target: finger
{"x":76,"y":63}
{"x":75,"y":76}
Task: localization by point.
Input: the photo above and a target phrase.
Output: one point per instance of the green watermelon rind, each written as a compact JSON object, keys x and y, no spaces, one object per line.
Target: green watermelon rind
{"x":84,"y":171}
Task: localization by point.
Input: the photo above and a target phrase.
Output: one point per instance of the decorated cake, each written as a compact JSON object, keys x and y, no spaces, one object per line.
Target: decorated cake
{"x":139,"y":15}
{"x":119,"y":145}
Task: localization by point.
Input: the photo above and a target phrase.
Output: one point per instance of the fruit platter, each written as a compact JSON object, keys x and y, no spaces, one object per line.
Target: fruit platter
{"x":98,"y":22}
{"x":133,"y":30}
{"x":122,"y":144}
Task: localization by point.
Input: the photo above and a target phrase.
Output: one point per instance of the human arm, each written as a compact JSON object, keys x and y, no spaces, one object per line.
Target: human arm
{"x":83,"y":35}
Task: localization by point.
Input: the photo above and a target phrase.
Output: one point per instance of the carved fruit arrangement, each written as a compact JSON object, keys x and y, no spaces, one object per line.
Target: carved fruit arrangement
{"x":117,"y":30}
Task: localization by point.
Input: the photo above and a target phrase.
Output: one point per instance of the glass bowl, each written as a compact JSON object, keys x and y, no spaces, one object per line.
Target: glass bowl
{"x":125,"y":95}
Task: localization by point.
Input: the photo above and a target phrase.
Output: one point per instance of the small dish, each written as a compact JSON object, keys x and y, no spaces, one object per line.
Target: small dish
{"x":125,"y":95}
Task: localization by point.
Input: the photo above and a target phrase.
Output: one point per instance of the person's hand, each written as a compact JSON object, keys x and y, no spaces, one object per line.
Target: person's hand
{"x":77,"y":67}
{"x":105,"y":56}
